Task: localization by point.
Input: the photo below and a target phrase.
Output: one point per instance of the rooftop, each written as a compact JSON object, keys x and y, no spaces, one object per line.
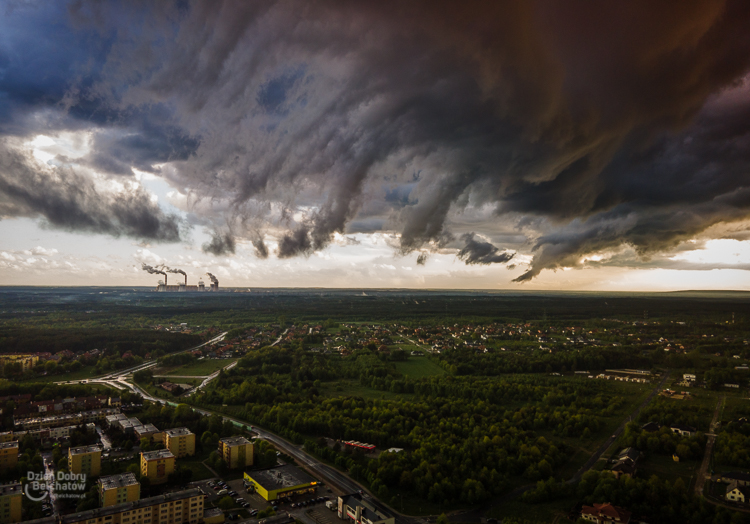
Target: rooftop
{"x":212,"y":512}
{"x":178,"y":432}
{"x":280,"y":477}
{"x":11,"y":444}
{"x":85,"y":449}
{"x":158,"y":454}
{"x":118,"y":481}
{"x":10,"y":489}
{"x":235,"y":441}
{"x":368,"y":510}
{"x":127,"y":506}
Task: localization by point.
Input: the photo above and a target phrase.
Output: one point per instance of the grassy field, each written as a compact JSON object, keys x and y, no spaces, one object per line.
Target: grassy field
{"x":419,"y":367}
{"x":201,"y":368}
{"x":664,"y":467}
{"x":85,"y":372}
{"x":195,"y":464}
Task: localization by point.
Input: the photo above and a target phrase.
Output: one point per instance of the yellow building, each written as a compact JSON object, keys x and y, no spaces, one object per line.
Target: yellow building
{"x":118,"y":489}
{"x":180,"y":441}
{"x":182,"y":507}
{"x":237,"y":452}
{"x":8,"y":455}
{"x":157,"y":466}
{"x":281,"y":482}
{"x":11,"y":496}
{"x":7,"y":436}
{"x":27,"y":361}
{"x":86,"y":460}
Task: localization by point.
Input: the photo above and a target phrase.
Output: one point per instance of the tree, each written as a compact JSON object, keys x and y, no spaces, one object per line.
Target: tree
{"x":135,"y":470}
{"x":226,"y":502}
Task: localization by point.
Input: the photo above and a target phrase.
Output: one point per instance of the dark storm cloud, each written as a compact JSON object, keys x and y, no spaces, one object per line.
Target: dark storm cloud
{"x":478,"y":252}
{"x":591,"y":116}
{"x":261,"y":250}
{"x":140,"y":146}
{"x":664,"y":195}
{"x":220,"y":244}
{"x":295,"y":243}
{"x":422,"y":258}
{"x":68,"y":200}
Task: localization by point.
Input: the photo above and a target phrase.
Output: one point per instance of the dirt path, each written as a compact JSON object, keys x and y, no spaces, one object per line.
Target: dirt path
{"x":703,"y":471}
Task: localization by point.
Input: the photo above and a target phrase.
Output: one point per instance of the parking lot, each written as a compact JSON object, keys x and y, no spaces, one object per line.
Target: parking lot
{"x":323,"y":515}
{"x":307,"y":508}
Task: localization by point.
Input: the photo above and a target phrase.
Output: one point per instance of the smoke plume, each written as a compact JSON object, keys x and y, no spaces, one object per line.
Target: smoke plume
{"x":153,"y":270}
{"x":173,"y":270}
{"x":213,"y":278}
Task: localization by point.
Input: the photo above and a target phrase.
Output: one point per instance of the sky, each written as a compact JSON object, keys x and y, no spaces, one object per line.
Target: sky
{"x":441,"y":144}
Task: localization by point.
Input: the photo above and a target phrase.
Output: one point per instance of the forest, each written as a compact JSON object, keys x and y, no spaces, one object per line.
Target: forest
{"x":468,"y":438}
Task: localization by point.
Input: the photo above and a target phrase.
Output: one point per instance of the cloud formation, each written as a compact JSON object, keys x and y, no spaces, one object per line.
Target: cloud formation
{"x":603,"y":124}
{"x":68,"y":200}
{"x":479,"y":252}
{"x":220,"y":244}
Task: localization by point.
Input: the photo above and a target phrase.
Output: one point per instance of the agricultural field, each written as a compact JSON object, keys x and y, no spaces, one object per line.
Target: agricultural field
{"x":199,"y":368}
{"x":419,"y":367}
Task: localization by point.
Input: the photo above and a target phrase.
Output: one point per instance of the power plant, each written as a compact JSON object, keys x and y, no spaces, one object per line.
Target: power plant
{"x":163,"y":285}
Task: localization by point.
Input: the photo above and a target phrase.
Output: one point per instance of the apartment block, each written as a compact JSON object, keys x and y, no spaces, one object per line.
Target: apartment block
{"x":157,"y":465}
{"x":118,"y":489}
{"x":10,"y":503}
{"x":86,"y":459}
{"x":182,"y":507}
{"x":237,"y":452}
{"x":8,"y":455}
{"x":180,"y":441}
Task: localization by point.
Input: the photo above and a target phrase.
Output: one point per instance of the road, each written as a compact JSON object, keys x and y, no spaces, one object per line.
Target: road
{"x":325,"y":473}
{"x":703,"y":471}
{"x":49,"y":472}
{"x":611,"y":440}
{"x":209,"y":379}
{"x":280,"y":337}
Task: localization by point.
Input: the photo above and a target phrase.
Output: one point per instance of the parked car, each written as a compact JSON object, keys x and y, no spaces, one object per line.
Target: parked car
{"x":233,"y":493}
{"x":222,"y":492}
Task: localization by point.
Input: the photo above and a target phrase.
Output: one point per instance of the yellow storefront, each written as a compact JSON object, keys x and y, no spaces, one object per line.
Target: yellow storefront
{"x":280,"y":482}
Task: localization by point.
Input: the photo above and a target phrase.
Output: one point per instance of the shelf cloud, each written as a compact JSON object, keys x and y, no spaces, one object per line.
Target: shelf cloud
{"x":604,"y":125}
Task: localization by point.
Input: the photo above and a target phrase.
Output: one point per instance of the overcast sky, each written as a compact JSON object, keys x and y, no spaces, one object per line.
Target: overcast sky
{"x":522,"y":145}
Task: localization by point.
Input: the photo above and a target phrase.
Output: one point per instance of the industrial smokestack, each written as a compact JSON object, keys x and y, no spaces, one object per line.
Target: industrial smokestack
{"x":177,"y":271}
{"x":214,"y":282}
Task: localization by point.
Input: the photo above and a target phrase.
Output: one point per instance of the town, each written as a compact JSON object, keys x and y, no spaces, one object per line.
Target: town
{"x":322,"y":420}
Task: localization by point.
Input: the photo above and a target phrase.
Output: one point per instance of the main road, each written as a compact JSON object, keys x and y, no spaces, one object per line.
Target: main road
{"x":327,"y":474}
{"x":113,"y":379}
